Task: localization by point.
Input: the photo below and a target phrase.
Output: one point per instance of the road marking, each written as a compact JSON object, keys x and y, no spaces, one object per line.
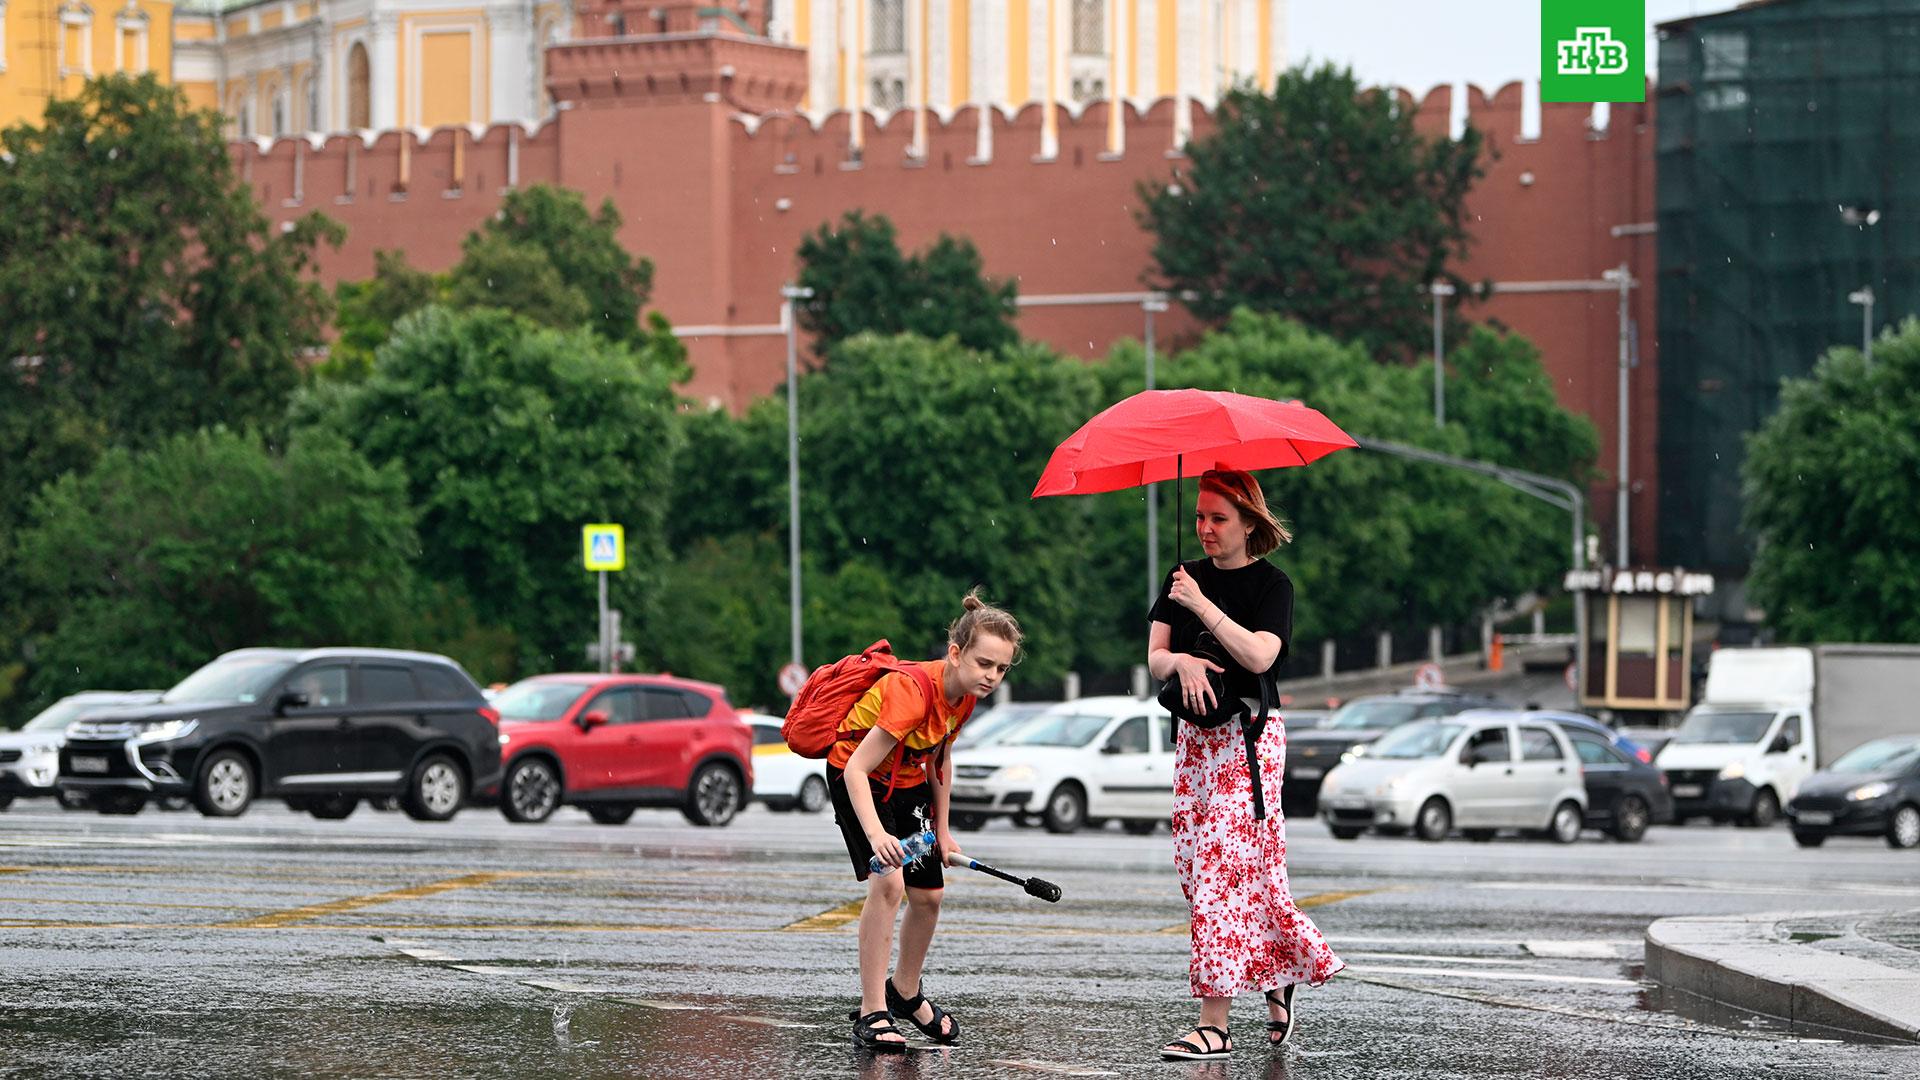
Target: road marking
{"x":1627,"y":1019}
{"x":124,"y":903}
{"x":1572,"y":950}
{"x":434,"y":955}
{"x":1050,"y":1067}
{"x":830,"y":920}
{"x":1456,"y":959}
{"x":567,"y":987}
{"x":1520,"y":976}
{"x":767,"y":1021}
{"x":1314,"y":901}
{"x":483,"y":969}
{"x":278,"y":919}
{"x":665,"y":1006}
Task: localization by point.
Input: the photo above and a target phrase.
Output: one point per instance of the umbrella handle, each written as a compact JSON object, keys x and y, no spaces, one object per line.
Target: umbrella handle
{"x":1179,"y":466}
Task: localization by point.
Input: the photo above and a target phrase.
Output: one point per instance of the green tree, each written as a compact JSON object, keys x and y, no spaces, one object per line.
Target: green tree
{"x":1318,"y":201}
{"x":584,"y":250}
{"x":511,"y":436}
{"x":1830,"y":481}
{"x":142,"y":291}
{"x":862,"y":283}
{"x":152,"y":562}
{"x":365,"y":311}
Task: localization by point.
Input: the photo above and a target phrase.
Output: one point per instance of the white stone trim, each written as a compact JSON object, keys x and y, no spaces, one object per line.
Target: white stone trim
{"x":418,"y":30}
{"x":1146,"y":31}
{"x":3,"y":35}
{"x":125,"y":20}
{"x":80,"y":16}
{"x":1038,"y":40}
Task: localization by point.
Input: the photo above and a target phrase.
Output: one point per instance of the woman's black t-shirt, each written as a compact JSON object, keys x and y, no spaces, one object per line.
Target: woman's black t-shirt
{"x":1258,"y":596}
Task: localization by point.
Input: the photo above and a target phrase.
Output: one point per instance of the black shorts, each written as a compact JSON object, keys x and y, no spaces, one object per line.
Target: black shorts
{"x":900,"y":815}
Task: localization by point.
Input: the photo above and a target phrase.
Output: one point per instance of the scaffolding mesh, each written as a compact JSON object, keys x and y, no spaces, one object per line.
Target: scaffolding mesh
{"x":1784,"y":129}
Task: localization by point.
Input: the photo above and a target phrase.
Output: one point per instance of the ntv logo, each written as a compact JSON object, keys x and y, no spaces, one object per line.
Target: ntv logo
{"x":1593,"y":50}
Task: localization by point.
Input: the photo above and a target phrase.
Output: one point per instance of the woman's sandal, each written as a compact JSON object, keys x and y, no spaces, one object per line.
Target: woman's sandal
{"x":902,"y":1006}
{"x":868,"y":1029}
{"x":1279,"y":1031}
{"x":1185,"y":1050}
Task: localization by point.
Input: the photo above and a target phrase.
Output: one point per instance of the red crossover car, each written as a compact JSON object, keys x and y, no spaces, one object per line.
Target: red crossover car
{"x":612,"y":743}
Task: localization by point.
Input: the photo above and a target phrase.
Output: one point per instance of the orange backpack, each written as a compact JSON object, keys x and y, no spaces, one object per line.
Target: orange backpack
{"x":830,"y":693}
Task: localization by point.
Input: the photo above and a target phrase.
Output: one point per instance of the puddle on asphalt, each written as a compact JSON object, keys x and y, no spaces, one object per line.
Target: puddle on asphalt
{"x":1803,"y":937}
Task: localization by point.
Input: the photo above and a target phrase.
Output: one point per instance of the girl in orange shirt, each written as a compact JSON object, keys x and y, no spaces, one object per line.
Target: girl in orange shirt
{"x":889,"y":776}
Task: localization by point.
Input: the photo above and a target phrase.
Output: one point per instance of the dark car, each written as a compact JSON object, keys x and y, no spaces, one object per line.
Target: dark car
{"x":1624,"y":793}
{"x":613,"y":743}
{"x":1873,"y":790}
{"x":1312,"y":753}
{"x":320,"y":728}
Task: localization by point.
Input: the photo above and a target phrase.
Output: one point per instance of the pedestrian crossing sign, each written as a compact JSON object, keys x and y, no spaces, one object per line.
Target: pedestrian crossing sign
{"x":604,"y":547}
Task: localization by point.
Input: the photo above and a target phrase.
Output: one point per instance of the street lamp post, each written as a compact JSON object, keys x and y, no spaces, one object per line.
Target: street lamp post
{"x":789,"y":294}
{"x":1864,"y":297}
{"x":1622,"y":276}
{"x":1151,"y":306}
{"x":1440,"y":290}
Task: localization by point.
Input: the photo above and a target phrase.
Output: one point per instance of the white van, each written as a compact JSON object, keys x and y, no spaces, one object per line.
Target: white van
{"x":1480,"y":772}
{"x":1743,"y":751}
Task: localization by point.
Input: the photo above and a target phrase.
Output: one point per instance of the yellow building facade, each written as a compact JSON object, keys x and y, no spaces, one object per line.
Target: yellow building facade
{"x":49,"y":48}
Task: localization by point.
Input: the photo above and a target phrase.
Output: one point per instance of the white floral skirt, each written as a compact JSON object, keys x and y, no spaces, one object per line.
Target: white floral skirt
{"x":1247,"y":933}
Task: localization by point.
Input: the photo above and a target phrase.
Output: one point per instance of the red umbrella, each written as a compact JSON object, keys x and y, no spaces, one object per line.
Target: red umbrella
{"x":1152,"y":435}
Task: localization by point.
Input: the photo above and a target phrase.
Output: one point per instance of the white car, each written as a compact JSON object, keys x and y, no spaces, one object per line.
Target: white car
{"x":781,"y":778}
{"x":1477,"y":775}
{"x":30,"y":757}
{"x":1078,"y":763}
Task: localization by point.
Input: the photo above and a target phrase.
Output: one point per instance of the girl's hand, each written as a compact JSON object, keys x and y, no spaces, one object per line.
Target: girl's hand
{"x":1186,"y":592}
{"x":1195,"y":690}
{"x":887,"y":847}
{"x":947,"y":845}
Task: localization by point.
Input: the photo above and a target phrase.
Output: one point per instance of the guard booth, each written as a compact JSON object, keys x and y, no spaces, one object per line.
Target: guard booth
{"x":1636,"y":640}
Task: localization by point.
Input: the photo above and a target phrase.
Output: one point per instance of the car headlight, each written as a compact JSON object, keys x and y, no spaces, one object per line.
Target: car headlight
{"x":167,"y":732}
{"x":1015,"y":773}
{"x":1733,"y":772}
{"x":505,"y":738}
{"x":1869,"y":791}
{"x":1352,"y":754}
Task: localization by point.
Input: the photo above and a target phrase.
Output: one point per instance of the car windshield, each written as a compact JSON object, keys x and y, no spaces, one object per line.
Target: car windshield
{"x":1884,"y":755}
{"x":995,"y":724}
{"x":1415,"y":741}
{"x":1726,"y":728}
{"x":1057,"y":729}
{"x":537,"y":699}
{"x":1375,"y":714}
{"x":55,"y":716}
{"x":239,"y":679}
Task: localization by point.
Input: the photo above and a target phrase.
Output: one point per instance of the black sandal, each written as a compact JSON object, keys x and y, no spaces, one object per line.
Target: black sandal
{"x":868,"y":1029}
{"x":1284,"y":1028}
{"x":901,"y":1005}
{"x":1189,"y":1052}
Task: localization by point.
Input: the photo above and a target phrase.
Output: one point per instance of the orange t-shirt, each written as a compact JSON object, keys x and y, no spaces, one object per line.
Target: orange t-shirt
{"x":895,"y":704}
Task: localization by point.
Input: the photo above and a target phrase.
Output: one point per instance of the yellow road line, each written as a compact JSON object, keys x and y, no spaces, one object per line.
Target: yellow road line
{"x":830,"y":920}
{"x":277,"y":919}
{"x":1314,"y":901}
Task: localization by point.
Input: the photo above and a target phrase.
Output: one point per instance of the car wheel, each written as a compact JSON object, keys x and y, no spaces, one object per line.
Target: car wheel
{"x":73,"y":800}
{"x":226,"y":785}
{"x":713,"y":798}
{"x":967,"y":822}
{"x":1066,"y":809}
{"x":1564,"y":828}
{"x":1345,"y":832}
{"x":436,"y":791}
{"x":1811,"y":839}
{"x":610,"y":813}
{"x":334,"y":807}
{"x":5,"y":801}
{"x":532,"y":791}
{"x":1766,"y":809}
{"x":813,"y":795}
{"x":1140,"y":828}
{"x":1903,"y":829}
{"x":120,"y":803}
{"x":1630,"y":819}
{"x":1434,"y":821}
{"x":1479,"y":836}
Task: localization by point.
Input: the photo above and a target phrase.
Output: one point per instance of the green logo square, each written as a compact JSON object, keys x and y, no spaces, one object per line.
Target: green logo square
{"x":1593,"y":50}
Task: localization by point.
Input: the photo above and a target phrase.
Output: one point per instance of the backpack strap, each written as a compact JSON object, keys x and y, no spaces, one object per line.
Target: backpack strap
{"x":927,"y":691}
{"x":1251,"y":728}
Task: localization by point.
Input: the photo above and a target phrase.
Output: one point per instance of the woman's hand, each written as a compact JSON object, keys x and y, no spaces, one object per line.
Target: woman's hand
{"x":1195,"y":691}
{"x":1186,"y":592}
{"x":887,"y":847}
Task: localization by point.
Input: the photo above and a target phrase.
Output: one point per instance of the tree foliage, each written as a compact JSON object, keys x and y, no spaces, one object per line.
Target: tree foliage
{"x":862,"y":283}
{"x":1317,"y":201}
{"x":512,"y":436}
{"x":150,"y":563}
{"x":1831,"y":481}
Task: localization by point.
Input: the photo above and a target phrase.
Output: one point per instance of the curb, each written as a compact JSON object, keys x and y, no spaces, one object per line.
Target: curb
{"x":1743,"y":961}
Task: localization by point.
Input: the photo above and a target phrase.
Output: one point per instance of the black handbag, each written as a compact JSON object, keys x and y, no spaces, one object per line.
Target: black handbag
{"x":1226,"y":708}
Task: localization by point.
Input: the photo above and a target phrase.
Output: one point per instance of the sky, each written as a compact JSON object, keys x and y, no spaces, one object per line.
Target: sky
{"x":1419,"y":44}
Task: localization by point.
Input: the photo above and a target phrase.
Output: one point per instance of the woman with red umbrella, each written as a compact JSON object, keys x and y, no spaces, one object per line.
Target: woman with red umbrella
{"x":1220,"y":625}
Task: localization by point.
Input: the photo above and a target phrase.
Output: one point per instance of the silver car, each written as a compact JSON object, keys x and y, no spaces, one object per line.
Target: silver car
{"x":30,"y":757}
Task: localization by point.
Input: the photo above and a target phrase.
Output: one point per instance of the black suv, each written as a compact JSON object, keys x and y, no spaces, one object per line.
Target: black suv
{"x":1313,"y":753}
{"x":320,"y":728}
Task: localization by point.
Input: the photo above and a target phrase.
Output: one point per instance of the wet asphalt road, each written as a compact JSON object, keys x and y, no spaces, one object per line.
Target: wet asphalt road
{"x":277,"y":945}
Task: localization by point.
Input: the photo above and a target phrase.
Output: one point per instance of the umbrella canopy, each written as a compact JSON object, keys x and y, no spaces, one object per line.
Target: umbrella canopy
{"x":1165,"y":434}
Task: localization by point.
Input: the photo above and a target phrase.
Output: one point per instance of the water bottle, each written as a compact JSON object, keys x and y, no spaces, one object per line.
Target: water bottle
{"x":915,"y":847}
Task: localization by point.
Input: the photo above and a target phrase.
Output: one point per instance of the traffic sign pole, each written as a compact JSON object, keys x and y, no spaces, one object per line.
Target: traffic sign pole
{"x":606,"y":647}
